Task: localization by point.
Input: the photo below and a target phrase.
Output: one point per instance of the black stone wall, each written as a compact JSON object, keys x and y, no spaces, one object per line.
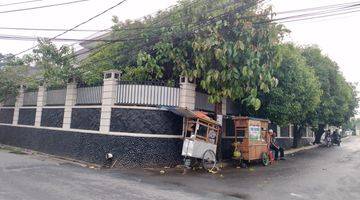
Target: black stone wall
{"x":287,"y":143}
{"x":27,"y":116}
{"x":130,"y":151}
{"x":52,"y":117}
{"x":145,"y":121}
{"x":6,"y":116}
{"x":86,"y":118}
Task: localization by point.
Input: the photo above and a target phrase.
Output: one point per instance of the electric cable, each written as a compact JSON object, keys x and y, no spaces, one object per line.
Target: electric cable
{"x":44,"y":6}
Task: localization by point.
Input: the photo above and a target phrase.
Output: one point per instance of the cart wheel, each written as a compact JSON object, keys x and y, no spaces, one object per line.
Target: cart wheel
{"x":265,"y":159}
{"x":209,"y":160}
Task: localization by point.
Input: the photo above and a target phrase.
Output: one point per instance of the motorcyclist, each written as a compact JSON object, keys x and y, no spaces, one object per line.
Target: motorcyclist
{"x":336,"y":138}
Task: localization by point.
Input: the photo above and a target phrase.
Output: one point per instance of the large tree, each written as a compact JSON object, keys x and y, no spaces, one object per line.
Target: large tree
{"x":296,"y":96}
{"x":339,"y":100}
{"x":228,"y":46}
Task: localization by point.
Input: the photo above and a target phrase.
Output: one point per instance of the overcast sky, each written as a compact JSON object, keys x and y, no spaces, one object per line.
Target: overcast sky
{"x":339,"y":36}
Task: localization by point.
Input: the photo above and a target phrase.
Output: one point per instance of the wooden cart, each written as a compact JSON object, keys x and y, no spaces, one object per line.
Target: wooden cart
{"x":255,"y":142}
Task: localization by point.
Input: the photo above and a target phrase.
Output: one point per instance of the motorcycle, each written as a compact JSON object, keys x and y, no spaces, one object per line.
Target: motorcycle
{"x":336,"y":139}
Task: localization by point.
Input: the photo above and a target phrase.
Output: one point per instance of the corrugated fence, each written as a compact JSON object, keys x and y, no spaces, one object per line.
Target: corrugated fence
{"x":30,"y":98}
{"x":89,"y":95}
{"x":150,"y":95}
{"x":55,"y":97}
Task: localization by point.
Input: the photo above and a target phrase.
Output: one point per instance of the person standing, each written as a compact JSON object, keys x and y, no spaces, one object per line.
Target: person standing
{"x":275,"y":147}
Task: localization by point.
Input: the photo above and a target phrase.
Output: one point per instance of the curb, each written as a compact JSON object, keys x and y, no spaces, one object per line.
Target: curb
{"x":292,"y":151}
{"x":57,"y":159}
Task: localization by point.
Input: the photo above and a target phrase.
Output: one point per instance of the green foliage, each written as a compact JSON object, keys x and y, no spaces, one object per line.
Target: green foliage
{"x":54,"y":65}
{"x":352,"y":124}
{"x":229,"y":53}
{"x":339,"y":100}
{"x":298,"y":92}
{"x":11,"y":77}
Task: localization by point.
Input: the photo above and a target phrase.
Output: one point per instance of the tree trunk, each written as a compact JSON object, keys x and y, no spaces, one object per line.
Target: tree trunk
{"x":319,"y":132}
{"x":297,"y":136}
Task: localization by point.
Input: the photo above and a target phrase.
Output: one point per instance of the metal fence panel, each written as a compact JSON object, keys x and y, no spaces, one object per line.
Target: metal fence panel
{"x":202,"y":102}
{"x":9,"y":101}
{"x":151,"y":95}
{"x":89,"y":95}
{"x":56,"y":97}
{"x":30,"y":98}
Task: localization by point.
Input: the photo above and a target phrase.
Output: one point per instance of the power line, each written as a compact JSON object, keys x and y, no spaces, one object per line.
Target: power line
{"x":52,"y":29}
{"x":45,"y":6}
{"x":293,"y":18}
{"x":288,"y":19}
{"x":199,"y":23}
{"x":29,"y":38}
{"x":21,"y":2}
{"x":318,"y":13}
{"x":327,"y":7}
{"x":335,"y":12}
{"x":321,"y":16}
{"x":318,"y":8}
{"x":76,"y":26}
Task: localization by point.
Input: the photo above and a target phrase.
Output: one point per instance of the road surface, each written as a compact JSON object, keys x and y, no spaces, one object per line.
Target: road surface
{"x":319,"y":173}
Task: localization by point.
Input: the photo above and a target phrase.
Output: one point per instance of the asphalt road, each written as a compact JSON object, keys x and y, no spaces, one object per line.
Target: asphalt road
{"x":321,"y":173}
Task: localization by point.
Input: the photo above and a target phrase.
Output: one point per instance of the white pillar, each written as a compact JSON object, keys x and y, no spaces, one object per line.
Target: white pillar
{"x":187,"y":93}
{"x":19,"y":103}
{"x":70,"y":101}
{"x":39,"y":105}
{"x":223,"y":106}
{"x":111,"y":78}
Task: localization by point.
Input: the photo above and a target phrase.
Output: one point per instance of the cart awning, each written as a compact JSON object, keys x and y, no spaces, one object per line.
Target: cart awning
{"x":190,"y":114}
{"x":181,"y":111}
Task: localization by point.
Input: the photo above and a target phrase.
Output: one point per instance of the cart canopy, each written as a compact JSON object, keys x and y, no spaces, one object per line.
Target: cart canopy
{"x":190,"y":114}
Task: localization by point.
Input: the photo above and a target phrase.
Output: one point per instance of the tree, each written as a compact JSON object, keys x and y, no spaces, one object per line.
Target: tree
{"x":55,"y":66}
{"x":296,"y":96}
{"x":339,"y":100}
{"x":352,"y":124}
{"x":228,"y":46}
{"x":11,"y":77}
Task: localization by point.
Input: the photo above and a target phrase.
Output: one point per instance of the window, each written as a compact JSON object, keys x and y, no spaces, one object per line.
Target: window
{"x":108,"y":75}
{"x":240,"y":133}
{"x":285,"y":131}
{"x":202,"y":131}
{"x":303,"y":132}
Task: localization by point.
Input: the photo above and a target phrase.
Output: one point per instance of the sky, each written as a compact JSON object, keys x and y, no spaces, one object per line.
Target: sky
{"x":337,"y":36}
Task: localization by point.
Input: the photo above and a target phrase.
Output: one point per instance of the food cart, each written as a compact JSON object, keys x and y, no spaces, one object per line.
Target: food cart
{"x":254,"y":145}
{"x":201,"y":135}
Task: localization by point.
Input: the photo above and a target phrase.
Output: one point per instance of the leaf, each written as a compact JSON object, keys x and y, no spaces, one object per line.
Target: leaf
{"x":245,"y":71}
{"x":240,"y":45}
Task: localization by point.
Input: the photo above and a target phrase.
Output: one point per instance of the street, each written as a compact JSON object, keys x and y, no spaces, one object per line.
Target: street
{"x":320,"y":173}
